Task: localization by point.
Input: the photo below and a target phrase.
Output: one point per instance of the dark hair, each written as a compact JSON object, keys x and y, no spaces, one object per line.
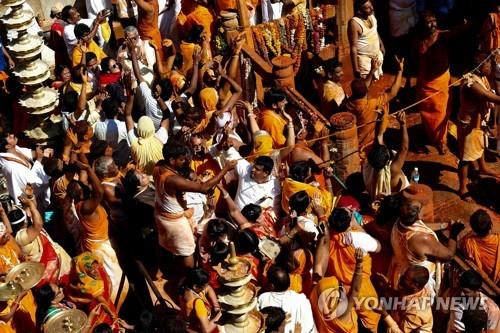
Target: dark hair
{"x":216,"y":228}
{"x":299,"y":202}
{"x":116,"y":91}
{"x":89,"y":56}
{"x":185,"y":171}
{"x":247,"y":242}
{"x":339,"y":220}
{"x":251,"y":212}
{"x":480,"y":222}
{"x":146,"y":322}
{"x":65,"y":14}
{"x":102,"y":328}
{"x":274,"y":318}
{"x":3,"y":144}
{"x":80,"y":30}
{"x":355,"y":183}
{"x":299,"y":171}
{"x":174,"y":150}
{"x":358,"y":4}
{"x":471,"y":280}
{"x":358,"y":88}
{"x":173,"y":324}
{"x":70,"y":101}
{"x":420,"y":277}
{"x":330,"y":65}
{"x":475,"y":321}
{"x":44,"y":296}
{"x":110,"y":107}
{"x":218,"y":253}
{"x":379,"y":156}
{"x":266,"y":162}
{"x":195,"y":277}
{"x":59,"y":69}
{"x":273,"y":96}
{"x":72,"y":186}
{"x":81,"y":128}
{"x":166,"y":89}
{"x":15,"y":215}
{"x":97,"y":149}
{"x":51,"y":167}
{"x":130,"y":183}
{"x":194,"y":35}
{"x":105,"y":64}
{"x":389,"y":209}
{"x":279,"y":278}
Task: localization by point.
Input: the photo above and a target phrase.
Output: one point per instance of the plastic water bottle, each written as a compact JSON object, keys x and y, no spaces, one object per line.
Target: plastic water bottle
{"x":415,"y":176}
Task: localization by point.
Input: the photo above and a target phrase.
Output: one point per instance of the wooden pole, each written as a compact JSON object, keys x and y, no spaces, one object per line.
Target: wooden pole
{"x":345,"y":11}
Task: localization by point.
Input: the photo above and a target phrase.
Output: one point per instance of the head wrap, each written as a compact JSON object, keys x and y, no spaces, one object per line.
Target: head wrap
{"x":147,"y":149}
{"x":145,"y":127}
{"x":208,"y":99}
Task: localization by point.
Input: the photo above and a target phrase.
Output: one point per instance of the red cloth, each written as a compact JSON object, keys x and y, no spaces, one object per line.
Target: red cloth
{"x":109,"y":78}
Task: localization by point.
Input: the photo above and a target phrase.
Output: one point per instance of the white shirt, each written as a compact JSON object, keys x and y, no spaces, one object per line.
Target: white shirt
{"x":251,"y":192}
{"x":18,"y":175}
{"x":69,"y":34}
{"x":295,"y":305}
{"x":455,"y":324}
{"x":112,"y":131}
{"x":95,"y":6}
{"x":161,"y":134}
{"x":364,"y":241}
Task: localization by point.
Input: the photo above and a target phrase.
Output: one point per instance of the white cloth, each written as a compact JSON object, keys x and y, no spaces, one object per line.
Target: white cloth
{"x":112,"y":131}
{"x":455,"y":324}
{"x":368,"y":46}
{"x":364,"y":241}
{"x":402,"y":16}
{"x":197,"y":201}
{"x":151,"y":107}
{"x":295,"y":305}
{"x":92,"y":118}
{"x":249,"y":191}
{"x":70,"y":38}
{"x":167,"y":21}
{"x":223,"y":156}
{"x":161,"y":134}
{"x":95,"y":6}
{"x":18,"y":175}
{"x":126,"y":9}
{"x":271,"y":11}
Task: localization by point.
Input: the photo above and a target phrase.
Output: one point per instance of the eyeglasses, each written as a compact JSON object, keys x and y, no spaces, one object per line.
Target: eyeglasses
{"x":114,"y":66}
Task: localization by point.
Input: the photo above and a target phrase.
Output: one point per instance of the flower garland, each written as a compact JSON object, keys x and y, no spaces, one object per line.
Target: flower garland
{"x":318,"y":30}
{"x":261,"y":43}
{"x":269,"y":41}
{"x":275,"y":32}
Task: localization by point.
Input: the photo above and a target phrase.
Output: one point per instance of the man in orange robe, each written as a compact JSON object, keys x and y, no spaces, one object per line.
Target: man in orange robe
{"x":147,"y":22}
{"x":344,"y":239}
{"x":482,"y":246}
{"x":200,"y":15}
{"x":271,"y":120}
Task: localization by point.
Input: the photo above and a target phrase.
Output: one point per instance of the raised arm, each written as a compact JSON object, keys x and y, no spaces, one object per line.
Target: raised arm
{"x":236,"y":90}
{"x":33,"y":230}
{"x":234,"y":63}
{"x":353,"y":31}
{"x":165,"y":120}
{"x":355,"y":284}
{"x":169,"y":62}
{"x":396,"y":85}
{"x":135,"y":62}
{"x":82,"y":99}
{"x":129,"y":121}
{"x":184,"y":185}
{"x":90,"y":205}
{"x":234,"y":211}
{"x":399,"y":160}
{"x":322,"y":254}
{"x":485,"y":94}
{"x":159,"y":60}
{"x":427,"y":245}
{"x":196,"y":69}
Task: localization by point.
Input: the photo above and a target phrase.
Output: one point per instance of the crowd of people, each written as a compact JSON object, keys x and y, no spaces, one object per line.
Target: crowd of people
{"x":163,"y":164}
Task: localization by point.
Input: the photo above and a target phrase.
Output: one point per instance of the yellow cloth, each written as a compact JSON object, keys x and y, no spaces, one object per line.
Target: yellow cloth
{"x":105,"y":31}
{"x":187,"y":50}
{"x":415,"y":318}
{"x":177,"y":80}
{"x":262,"y":143}
{"x":147,"y":149}
{"x":341,"y":264}
{"x":321,"y":305}
{"x":201,"y":15}
{"x":484,"y":252}
{"x":87,"y":284}
{"x":209,"y":98}
{"x":92,"y":47}
{"x":377,"y":181}
{"x":290,"y":186}
{"x":274,"y":124}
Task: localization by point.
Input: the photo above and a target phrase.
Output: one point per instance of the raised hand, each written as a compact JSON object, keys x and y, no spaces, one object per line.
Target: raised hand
{"x":400,"y":62}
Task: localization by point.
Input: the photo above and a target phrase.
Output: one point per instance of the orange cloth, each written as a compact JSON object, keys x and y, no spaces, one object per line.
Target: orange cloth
{"x":230,"y":5}
{"x":434,"y":110}
{"x":290,"y":187}
{"x":341,"y":264}
{"x":365,"y":111}
{"x":206,"y":166}
{"x":274,"y":124}
{"x":147,"y":24}
{"x":489,"y":36}
{"x":24,"y":318}
{"x":92,"y":47}
{"x":209,"y":98}
{"x":94,"y":227}
{"x":200,"y":15}
{"x":187,"y":50}
{"x":484,"y":252}
{"x":323,"y":314}
{"x":300,"y":277}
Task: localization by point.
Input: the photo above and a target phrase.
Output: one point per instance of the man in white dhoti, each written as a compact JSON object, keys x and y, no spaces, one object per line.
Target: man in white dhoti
{"x":366,"y":45}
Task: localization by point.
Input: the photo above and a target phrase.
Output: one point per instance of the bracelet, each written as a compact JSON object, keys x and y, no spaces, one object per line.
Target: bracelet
{"x":225,"y":195}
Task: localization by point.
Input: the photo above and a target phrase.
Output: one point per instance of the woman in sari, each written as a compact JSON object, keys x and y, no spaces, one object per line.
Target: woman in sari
{"x":90,"y":289}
